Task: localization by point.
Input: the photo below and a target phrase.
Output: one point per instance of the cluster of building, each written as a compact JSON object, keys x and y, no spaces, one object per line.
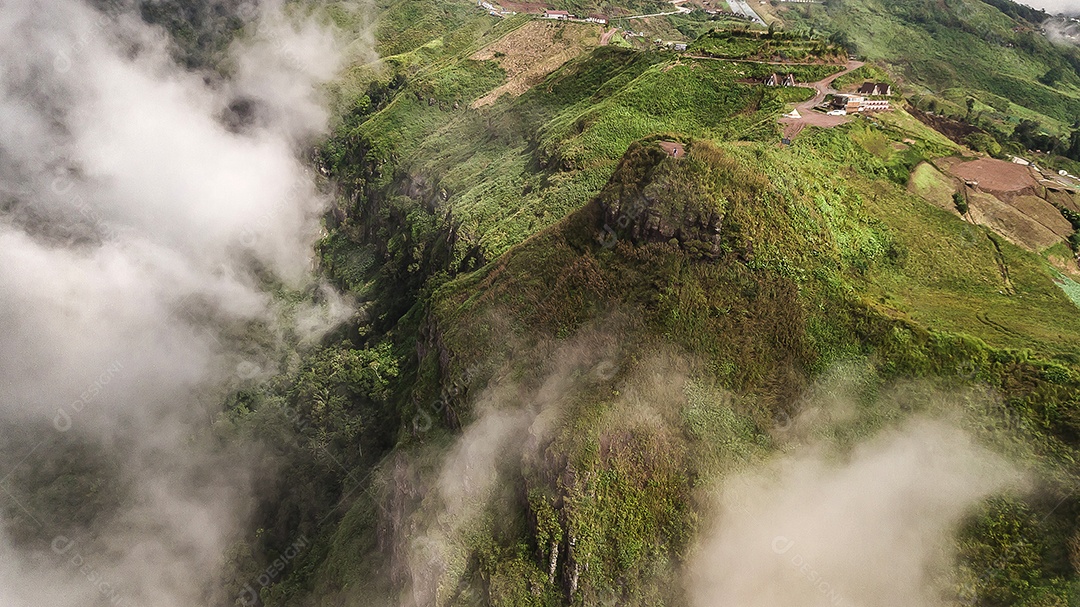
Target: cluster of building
{"x":861,"y":102}
{"x":854,"y":104}
{"x":675,"y":46}
{"x":566,"y":16}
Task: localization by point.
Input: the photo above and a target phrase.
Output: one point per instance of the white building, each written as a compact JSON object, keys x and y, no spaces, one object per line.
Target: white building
{"x":874,"y":105}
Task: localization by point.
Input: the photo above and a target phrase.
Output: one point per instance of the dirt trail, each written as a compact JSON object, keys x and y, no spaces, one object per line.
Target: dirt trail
{"x":673,"y":148}
{"x":809,"y":116}
{"x":605,"y":38}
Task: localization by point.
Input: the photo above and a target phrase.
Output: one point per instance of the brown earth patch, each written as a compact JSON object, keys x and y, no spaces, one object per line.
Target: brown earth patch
{"x":523,"y":7}
{"x":531,"y":52}
{"x":1031,"y":222}
{"x":1064,"y":199}
{"x":953,"y":129}
{"x":1043,"y":213}
{"x":996,"y":175}
{"x":1067,"y":265}
{"x":673,"y":148}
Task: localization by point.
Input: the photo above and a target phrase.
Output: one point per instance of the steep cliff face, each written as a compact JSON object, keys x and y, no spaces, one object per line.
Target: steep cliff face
{"x":683,"y":198}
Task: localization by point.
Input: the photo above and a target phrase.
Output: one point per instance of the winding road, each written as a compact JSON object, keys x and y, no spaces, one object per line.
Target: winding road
{"x":806,"y":108}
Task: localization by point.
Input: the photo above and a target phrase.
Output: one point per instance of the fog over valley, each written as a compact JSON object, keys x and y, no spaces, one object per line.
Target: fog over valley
{"x":140,"y":229}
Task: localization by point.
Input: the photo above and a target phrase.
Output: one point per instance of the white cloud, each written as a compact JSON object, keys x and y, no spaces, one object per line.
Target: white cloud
{"x":869,"y":529}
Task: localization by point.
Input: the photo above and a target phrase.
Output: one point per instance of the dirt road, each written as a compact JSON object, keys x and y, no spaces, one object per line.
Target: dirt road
{"x":605,"y":38}
{"x":679,"y":10}
{"x":822,"y":88}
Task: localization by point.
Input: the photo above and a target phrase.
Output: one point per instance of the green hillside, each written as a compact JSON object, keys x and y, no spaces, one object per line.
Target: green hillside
{"x":569,"y":335}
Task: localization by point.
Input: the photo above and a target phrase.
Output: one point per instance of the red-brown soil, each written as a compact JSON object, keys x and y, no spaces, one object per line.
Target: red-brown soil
{"x":996,"y":176}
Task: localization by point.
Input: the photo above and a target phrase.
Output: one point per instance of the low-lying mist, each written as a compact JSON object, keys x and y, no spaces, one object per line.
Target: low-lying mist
{"x":871,"y":528}
{"x":1069,"y":7}
{"x":147,"y":211}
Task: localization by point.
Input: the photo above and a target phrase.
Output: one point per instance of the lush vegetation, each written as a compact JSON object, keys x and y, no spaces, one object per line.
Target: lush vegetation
{"x":767,"y":46}
{"x":653,"y":319}
{"x":866,"y":73}
{"x":491,"y":243}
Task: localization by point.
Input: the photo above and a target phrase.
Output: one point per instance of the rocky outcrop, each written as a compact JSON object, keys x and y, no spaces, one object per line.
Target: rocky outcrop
{"x":654,"y":197}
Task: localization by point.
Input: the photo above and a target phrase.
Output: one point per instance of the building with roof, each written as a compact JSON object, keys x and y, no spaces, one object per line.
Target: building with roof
{"x":775,"y":79}
{"x":875,"y":88}
{"x":853,"y":104}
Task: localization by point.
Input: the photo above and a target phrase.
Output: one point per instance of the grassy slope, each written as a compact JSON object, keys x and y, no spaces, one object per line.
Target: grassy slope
{"x":827,"y":259}
{"x":573,"y":128}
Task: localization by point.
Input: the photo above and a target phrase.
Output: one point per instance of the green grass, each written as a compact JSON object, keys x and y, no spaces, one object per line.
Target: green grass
{"x":841,"y":266}
{"x":857,"y":77}
{"x":577,"y":124}
{"x":905,"y":126}
{"x":931,"y":185}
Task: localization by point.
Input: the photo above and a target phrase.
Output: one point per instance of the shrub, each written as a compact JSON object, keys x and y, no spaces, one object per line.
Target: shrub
{"x":960,"y":202}
{"x":982,"y":142}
